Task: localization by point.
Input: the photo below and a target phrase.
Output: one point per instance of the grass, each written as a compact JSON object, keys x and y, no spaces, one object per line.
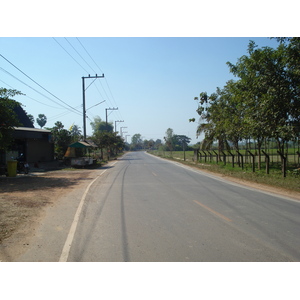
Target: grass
{"x":274,"y":178}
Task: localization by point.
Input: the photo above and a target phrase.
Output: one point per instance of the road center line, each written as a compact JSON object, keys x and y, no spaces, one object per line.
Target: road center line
{"x":66,"y":250}
{"x":213,"y":211}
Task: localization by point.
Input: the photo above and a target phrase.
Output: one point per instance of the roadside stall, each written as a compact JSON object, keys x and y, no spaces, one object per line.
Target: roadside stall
{"x":80,"y":161}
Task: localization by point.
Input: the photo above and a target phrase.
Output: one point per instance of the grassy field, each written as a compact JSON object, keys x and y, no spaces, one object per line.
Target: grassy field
{"x":290,"y":182}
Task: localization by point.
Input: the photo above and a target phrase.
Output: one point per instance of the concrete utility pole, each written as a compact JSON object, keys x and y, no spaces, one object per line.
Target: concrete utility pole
{"x":83,"y":97}
{"x":106,"y":109}
{"x":116,"y":125}
{"x":121,"y":131}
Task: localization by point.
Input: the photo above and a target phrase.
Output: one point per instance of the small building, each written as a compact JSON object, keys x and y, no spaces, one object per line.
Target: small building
{"x":35,"y":144}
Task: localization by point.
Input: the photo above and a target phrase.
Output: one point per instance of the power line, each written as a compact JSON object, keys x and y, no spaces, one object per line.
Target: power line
{"x":70,"y":55}
{"x":60,"y":115}
{"x":76,"y":111}
{"x":107,"y":97}
{"x":102,"y":72}
{"x":89,"y":55}
{"x":38,"y":83}
{"x":80,"y":55}
{"x":31,"y":97}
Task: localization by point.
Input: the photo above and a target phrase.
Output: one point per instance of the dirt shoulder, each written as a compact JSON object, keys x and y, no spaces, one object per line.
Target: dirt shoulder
{"x":23,"y":200}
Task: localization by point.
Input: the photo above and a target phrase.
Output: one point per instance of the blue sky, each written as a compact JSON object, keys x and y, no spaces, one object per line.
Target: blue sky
{"x":152,"y":80}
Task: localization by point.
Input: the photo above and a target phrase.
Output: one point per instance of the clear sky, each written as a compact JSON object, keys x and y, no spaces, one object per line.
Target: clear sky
{"x":151,"y":80}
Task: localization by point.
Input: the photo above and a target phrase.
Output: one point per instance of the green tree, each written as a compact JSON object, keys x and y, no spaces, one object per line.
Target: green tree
{"x":41,"y":120}
{"x":183,"y":141}
{"x":136,"y":142}
{"x":211,"y":120}
{"x":99,"y":125}
{"x":169,"y":140}
{"x":62,"y":139}
{"x":75,"y":133}
{"x":31,"y":118}
{"x":267,"y":92}
{"x":8,"y":118}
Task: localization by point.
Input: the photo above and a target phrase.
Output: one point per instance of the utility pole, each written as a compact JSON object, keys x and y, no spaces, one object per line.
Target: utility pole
{"x":106,"y":109}
{"x":116,"y":125}
{"x":83,"y":98}
{"x":121,"y":131}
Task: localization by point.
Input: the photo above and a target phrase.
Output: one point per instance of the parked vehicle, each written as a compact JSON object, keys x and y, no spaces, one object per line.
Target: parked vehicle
{"x":22,"y":165}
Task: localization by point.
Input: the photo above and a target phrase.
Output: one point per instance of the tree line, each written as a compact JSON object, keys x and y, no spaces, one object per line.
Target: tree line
{"x":172,"y":142}
{"x":262,"y":104}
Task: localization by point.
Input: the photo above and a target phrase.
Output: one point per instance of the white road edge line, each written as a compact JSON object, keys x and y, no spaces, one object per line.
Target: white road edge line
{"x":66,"y":249}
{"x":226,"y":181}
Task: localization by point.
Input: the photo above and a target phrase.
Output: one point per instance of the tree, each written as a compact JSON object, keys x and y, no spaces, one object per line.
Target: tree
{"x":169,"y":139}
{"x":62,"y":139}
{"x":75,"y":133}
{"x":268,"y":93}
{"x":136,"y":142}
{"x":41,"y":120}
{"x":110,"y":141}
{"x":99,"y":125}
{"x":31,"y":118}
{"x":184,"y":141}
{"x":263,"y":103}
{"x":8,"y":118}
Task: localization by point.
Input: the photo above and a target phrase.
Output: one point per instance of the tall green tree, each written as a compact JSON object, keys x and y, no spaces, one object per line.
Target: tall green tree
{"x":8,"y":118}
{"x":136,"y":142}
{"x":62,"y":139}
{"x":267,"y":93}
{"x":169,"y":140}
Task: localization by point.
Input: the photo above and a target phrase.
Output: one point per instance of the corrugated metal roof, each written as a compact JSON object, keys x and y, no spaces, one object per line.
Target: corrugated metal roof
{"x":32,"y":129}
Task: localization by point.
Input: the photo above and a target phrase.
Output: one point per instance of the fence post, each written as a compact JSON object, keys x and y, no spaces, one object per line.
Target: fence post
{"x":253,"y":160}
{"x":224,"y":158}
{"x":217,"y":156}
{"x":210,"y":156}
{"x":196,"y":156}
{"x":205,"y":155}
{"x":298,"y":156}
{"x":267,"y":161}
{"x":242,"y":158}
{"x":232,"y":158}
{"x":283,"y":160}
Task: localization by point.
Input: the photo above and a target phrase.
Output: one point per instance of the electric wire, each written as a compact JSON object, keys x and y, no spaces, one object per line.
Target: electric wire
{"x":80,"y":55}
{"x":84,"y":68}
{"x":5,"y":71}
{"x":31,"y":97}
{"x":61,"y":114}
{"x":38,"y":84}
{"x":70,"y":55}
{"x":100,"y":82}
{"x":104,"y":77}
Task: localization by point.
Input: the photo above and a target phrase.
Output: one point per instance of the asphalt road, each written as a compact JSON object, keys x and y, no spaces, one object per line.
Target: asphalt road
{"x":145,"y":209}
{"x":148,"y":209}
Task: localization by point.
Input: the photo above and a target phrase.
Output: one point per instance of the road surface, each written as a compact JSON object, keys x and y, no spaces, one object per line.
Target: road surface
{"x":146,"y":209}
